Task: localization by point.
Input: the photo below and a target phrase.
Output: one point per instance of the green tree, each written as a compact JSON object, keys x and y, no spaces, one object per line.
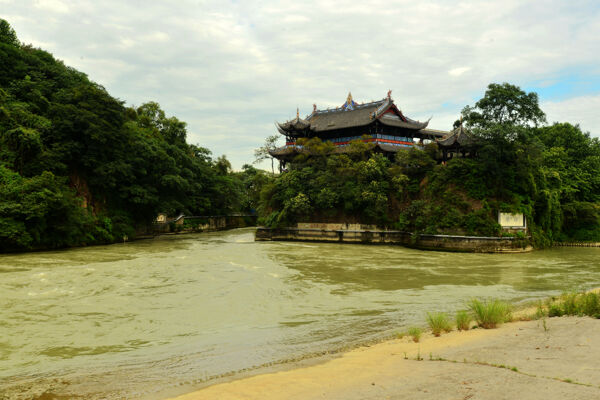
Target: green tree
{"x":7,"y":34}
{"x":263,"y":152}
{"x":504,"y":104}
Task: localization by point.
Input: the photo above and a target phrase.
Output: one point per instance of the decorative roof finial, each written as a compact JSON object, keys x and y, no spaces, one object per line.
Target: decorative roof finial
{"x":389,"y":95}
{"x":297,"y":112}
{"x":349,"y":104}
{"x":314,"y":108}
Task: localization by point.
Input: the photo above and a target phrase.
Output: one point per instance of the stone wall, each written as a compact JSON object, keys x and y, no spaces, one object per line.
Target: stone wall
{"x":419,"y":241}
{"x":204,"y":224}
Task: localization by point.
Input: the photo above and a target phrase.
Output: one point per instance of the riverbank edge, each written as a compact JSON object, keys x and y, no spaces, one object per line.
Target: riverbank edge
{"x":405,"y":345}
{"x":183,"y":231}
{"x":452,"y":243}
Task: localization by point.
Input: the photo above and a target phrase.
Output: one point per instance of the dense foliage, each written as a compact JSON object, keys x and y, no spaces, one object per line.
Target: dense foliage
{"x":78,"y":167}
{"x":549,"y":173}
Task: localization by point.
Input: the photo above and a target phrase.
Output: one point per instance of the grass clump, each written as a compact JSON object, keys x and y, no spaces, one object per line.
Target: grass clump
{"x":415,"y":333}
{"x":575,"y":304}
{"x":438,"y":323}
{"x":490,"y":313}
{"x":463,"y":320}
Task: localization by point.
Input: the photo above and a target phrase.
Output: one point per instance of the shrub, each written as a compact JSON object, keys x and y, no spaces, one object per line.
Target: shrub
{"x":555,"y":310}
{"x":490,"y":313}
{"x":438,"y":322}
{"x":463,"y":320}
{"x":589,"y":304}
{"x":576,"y":304}
{"x":415,"y":333}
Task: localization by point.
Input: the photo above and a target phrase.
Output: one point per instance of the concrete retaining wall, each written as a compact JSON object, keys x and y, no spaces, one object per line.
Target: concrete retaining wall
{"x":419,"y":241}
{"x":205,"y":223}
{"x":577,"y":244}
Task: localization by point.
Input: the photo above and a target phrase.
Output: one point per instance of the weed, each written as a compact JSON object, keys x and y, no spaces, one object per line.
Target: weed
{"x":589,"y":304}
{"x":490,"y":313}
{"x":545,"y":325}
{"x":463,"y":320}
{"x":438,"y":322}
{"x":416,"y":333}
{"x":569,"y":304}
{"x":419,"y":358}
{"x":540,"y":313}
{"x":555,"y":310}
{"x":575,"y":304}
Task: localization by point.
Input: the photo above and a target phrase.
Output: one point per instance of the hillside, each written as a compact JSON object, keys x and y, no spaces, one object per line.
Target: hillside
{"x":79,"y":167}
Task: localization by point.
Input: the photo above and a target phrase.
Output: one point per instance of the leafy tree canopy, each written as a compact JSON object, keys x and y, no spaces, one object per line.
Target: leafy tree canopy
{"x":504,"y":104}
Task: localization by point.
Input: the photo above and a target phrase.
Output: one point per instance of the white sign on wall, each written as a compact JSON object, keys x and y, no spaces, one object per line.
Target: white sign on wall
{"x":508,"y":220}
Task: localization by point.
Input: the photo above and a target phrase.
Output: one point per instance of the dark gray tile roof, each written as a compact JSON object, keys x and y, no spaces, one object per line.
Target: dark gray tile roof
{"x":340,"y":118}
{"x":458,"y":136}
{"x":409,"y":124}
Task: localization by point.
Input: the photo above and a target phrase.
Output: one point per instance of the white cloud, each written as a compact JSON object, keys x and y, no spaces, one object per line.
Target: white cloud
{"x":52,"y":6}
{"x":231,"y":68}
{"x":583,"y":110}
{"x":458,"y":71}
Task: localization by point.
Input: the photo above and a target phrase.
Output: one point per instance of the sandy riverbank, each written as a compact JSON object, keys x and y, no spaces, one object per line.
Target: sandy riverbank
{"x":520,"y":360}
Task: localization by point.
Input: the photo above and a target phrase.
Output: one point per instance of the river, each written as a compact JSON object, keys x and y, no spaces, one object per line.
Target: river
{"x":150,"y":318}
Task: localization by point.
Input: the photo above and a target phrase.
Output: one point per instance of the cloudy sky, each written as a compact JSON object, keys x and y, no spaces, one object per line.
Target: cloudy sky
{"x":232,"y":68}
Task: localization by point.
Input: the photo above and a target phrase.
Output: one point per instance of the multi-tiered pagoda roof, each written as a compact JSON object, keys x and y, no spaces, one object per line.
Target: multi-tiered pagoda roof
{"x":381,"y":121}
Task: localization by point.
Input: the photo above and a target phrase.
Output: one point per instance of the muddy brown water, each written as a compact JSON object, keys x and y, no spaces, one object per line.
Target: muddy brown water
{"x":146,"y":318}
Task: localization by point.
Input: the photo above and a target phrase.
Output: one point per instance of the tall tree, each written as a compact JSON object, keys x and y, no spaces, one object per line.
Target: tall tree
{"x":505,"y":104}
{"x":7,"y":34}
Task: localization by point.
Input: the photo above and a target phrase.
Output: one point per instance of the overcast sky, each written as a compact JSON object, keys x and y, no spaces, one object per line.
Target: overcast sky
{"x":232,"y":68}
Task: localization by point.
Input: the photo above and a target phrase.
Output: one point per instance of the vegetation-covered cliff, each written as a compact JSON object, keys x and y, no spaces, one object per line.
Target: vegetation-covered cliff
{"x":79,"y":167}
{"x":549,"y":173}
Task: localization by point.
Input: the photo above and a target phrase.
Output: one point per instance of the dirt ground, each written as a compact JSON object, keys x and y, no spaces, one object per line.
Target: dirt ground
{"x":555,"y":358}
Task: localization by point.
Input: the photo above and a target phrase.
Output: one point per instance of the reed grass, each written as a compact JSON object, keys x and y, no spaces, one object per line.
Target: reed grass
{"x":438,"y":323}
{"x":463,"y":320}
{"x":490,"y":313}
{"x":415,"y":333}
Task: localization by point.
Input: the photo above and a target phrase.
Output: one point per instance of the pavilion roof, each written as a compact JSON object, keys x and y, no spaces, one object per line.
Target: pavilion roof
{"x":459,"y":136}
{"x":351,"y":114}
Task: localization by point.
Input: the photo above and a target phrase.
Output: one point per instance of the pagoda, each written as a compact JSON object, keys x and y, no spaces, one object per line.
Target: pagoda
{"x":379,"y":122}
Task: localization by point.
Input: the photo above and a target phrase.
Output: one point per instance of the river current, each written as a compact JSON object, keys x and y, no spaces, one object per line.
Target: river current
{"x":150,"y":318}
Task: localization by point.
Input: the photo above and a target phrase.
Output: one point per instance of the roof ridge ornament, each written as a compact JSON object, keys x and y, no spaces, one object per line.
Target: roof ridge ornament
{"x":297,"y":113}
{"x":389,"y":94}
{"x":349,"y":104}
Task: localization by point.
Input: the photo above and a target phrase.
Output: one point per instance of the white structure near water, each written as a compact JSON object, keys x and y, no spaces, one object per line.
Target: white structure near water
{"x":512,"y":221}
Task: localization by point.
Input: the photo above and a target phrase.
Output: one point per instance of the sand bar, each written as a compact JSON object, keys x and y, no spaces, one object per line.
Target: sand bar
{"x":520,"y":360}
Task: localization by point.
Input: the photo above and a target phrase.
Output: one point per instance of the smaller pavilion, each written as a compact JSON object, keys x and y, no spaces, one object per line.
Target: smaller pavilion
{"x":459,"y":142}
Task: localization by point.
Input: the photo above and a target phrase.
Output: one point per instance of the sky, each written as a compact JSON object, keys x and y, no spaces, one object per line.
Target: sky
{"x":230,"y":69}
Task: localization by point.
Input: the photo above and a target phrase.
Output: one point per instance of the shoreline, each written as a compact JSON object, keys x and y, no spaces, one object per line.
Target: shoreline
{"x":401,"y":368}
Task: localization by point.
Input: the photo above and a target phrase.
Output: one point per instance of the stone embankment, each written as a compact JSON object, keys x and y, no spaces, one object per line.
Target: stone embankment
{"x":577,"y":244}
{"x":354,"y":233}
{"x":189,"y":224}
